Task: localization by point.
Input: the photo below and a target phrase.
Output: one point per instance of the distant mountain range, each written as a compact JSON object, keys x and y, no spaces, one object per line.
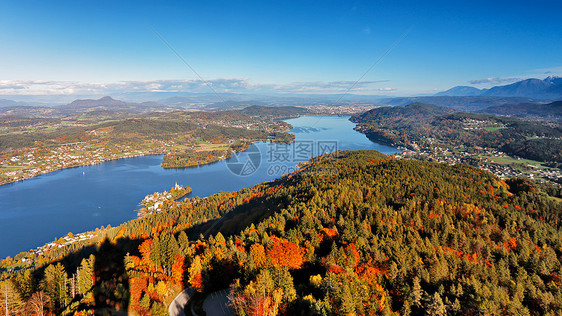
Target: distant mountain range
{"x":4,"y":102}
{"x":528,"y":98}
{"x":8,"y":103}
{"x":108,"y":103}
{"x":547,"y":89}
{"x":461,"y":103}
{"x":461,"y":91}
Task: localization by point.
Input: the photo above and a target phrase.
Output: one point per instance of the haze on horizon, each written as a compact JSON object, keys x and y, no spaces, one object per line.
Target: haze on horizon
{"x":263,"y":47}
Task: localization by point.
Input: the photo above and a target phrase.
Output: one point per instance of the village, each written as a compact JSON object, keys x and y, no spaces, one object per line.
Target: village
{"x":62,"y":242}
{"x":31,"y":162}
{"x":341,"y":110}
{"x":492,"y":160}
{"x":153,"y":203}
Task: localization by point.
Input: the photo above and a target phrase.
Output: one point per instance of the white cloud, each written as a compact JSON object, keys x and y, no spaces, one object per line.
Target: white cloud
{"x":495,"y":80}
{"x":326,"y":87}
{"x":42,"y":87}
{"x":38,"y":87}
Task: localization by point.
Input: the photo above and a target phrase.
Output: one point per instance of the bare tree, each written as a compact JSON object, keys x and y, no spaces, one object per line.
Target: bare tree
{"x":37,"y":302}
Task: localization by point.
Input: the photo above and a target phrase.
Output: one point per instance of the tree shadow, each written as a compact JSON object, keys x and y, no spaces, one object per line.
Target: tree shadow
{"x":111,"y":286}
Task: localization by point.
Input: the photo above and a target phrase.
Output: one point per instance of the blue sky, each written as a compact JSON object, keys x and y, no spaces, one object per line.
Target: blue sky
{"x":80,"y":47}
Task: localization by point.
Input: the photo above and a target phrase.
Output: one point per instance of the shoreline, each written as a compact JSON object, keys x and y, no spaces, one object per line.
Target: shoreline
{"x":135,"y":156}
{"x":157,"y":154}
{"x":79,"y":166}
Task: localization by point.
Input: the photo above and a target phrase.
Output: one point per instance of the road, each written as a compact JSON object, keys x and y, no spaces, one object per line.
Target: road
{"x":216,"y":304}
{"x":219,"y":305}
{"x":176,"y":308}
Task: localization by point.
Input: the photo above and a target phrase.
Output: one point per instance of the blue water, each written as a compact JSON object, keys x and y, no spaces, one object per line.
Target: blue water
{"x":41,"y":209}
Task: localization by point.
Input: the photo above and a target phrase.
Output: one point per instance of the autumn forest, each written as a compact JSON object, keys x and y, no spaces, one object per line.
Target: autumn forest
{"x":352,"y":233}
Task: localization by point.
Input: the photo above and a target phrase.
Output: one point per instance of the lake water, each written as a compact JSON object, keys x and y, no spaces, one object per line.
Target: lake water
{"x":41,"y":209}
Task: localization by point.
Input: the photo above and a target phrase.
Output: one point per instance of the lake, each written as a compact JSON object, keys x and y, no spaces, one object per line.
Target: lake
{"x":42,"y":209}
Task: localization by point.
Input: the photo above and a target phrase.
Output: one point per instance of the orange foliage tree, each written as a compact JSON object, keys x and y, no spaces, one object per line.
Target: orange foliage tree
{"x":195,"y":277}
{"x":138,"y":285}
{"x":258,"y":253}
{"x":286,"y":254}
{"x":178,"y":269}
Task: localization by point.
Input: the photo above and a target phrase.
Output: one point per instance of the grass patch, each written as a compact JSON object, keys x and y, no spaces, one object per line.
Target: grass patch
{"x":210,"y":146}
{"x":47,"y":129}
{"x":506,"y":160}
{"x":493,"y":128}
{"x":11,"y":168}
{"x":181,"y":147}
{"x":78,"y":152}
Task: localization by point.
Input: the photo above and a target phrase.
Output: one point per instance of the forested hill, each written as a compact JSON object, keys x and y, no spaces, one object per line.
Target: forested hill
{"x":430,"y":126}
{"x":407,"y":115}
{"x":356,"y":233}
{"x":551,"y":111}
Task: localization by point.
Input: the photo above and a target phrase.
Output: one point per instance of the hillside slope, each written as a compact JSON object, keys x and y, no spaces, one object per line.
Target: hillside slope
{"x":459,"y":103}
{"x":430,"y":126}
{"x":354,"y":233}
{"x":551,"y":111}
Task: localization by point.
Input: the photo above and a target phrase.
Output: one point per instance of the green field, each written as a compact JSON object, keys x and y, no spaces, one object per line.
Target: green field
{"x":11,"y":168}
{"x":181,"y":147}
{"x":506,"y":160}
{"x":493,"y":128}
{"x":210,"y":146}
